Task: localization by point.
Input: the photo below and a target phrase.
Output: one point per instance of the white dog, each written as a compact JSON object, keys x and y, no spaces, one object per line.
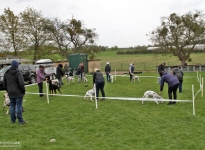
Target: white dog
{"x":84,"y":78}
{"x":56,"y":82}
{"x":90,"y":94}
{"x":70,"y":79}
{"x":153,"y":94}
{"x":111,"y":78}
{"x":6,"y":102}
{"x":134,"y":78}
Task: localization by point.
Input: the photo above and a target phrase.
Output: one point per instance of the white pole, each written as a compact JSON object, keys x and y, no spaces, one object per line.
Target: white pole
{"x":193,"y":99}
{"x":115,"y":75}
{"x":197,"y":75}
{"x":96,"y":102}
{"x":47,"y":93}
{"x":200,"y":80}
{"x":202,"y":87}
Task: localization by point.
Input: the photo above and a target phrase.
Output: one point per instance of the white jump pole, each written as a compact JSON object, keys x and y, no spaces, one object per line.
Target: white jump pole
{"x":96,"y":102}
{"x":193,"y":99}
{"x":197,"y":74}
{"x":200,"y":79}
{"x":47,"y":92}
{"x":115,"y":74}
{"x":202,"y":87}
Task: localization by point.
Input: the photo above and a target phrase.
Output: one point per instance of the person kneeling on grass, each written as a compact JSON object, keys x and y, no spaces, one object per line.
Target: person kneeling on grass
{"x":99,"y":82}
{"x":173,"y":84}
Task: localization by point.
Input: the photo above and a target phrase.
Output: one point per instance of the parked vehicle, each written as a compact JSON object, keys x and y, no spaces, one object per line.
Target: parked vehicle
{"x":49,"y":66}
{"x":28,"y":72}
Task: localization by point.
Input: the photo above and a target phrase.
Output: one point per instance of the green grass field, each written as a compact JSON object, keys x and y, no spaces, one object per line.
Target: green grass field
{"x":144,"y":62}
{"x":76,"y":124}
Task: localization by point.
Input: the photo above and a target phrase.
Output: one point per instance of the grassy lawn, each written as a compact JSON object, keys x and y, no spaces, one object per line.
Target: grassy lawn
{"x":144,"y":62}
{"x":76,"y":124}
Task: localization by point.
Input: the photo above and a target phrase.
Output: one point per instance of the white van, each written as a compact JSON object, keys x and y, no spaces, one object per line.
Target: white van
{"x":49,"y":66}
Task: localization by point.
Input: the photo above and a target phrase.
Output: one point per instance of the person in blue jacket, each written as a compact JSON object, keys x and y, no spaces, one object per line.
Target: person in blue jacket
{"x":173,"y":84}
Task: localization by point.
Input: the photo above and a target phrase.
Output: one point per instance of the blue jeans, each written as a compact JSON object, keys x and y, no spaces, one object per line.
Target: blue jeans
{"x":16,"y":102}
{"x":100,"y":86}
{"x":108,"y":76}
{"x":180,"y":85}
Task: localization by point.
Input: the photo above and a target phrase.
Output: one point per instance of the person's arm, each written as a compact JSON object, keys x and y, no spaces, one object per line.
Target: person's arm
{"x":162,"y":84}
{"x":21,"y":82}
{"x":40,"y":74}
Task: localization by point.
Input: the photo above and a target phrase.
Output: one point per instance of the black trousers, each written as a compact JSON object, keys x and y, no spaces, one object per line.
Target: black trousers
{"x":40,"y":87}
{"x":173,"y":90}
{"x":100,"y":86}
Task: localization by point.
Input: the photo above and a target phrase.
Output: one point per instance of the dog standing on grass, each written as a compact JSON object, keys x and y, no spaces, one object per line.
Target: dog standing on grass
{"x":69,"y":79}
{"x":6,"y":102}
{"x":154,"y":95}
{"x":111,"y":78}
{"x":90,"y":94}
{"x":52,"y":87}
{"x":135,"y":78}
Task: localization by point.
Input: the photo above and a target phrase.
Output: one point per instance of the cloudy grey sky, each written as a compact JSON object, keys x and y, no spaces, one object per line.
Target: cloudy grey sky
{"x":122,"y":23}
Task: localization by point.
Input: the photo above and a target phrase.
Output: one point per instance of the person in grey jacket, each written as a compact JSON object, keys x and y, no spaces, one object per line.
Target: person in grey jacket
{"x":14,"y":85}
{"x":179,"y":74}
{"x":173,"y":84}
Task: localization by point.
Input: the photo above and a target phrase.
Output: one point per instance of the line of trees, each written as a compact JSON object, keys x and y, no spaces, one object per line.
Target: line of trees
{"x":30,"y":30}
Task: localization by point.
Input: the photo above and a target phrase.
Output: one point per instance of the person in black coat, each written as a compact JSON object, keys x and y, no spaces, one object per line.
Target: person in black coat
{"x":107,"y":71}
{"x":99,"y":82}
{"x":160,"y":68}
{"x":14,"y":85}
{"x":59,"y":74}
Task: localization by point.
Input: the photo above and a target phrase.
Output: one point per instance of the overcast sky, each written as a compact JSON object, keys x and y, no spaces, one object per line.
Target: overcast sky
{"x":122,"y":23}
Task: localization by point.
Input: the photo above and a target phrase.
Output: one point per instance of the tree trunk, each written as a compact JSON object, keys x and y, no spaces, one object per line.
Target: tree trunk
{"x":183,"y":62}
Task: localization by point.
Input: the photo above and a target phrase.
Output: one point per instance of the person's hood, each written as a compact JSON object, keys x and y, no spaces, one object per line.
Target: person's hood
{"x":12,"y":70}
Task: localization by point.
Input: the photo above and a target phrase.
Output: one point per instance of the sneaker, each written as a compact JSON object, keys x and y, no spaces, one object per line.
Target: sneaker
{"x":103,"y":99}
{"x":22,"y":122}
{"x":12,"y":122}
{"x":174,"y":102}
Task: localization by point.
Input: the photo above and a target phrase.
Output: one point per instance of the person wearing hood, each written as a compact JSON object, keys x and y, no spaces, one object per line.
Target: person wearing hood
{"x":99,"y":82}
{"x":107,"y":71}
{"x":179,"y":74}
{"x":173,"y":84}
{"x":14,"y":85}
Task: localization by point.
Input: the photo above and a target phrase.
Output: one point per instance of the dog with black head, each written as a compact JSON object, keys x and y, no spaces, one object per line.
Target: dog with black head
{"x":52,"y":87}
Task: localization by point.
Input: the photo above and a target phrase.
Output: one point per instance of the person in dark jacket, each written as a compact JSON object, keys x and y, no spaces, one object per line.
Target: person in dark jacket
{"x":173,"y":84}
{"x":14,"y":85}
{"x":66,"y":68}
{"x":107,"y":71}
{"x":99,"y":82}
{"x":59,"y":74}
{"x":179,"y":74}
{"x":131,"y":71}
{"x":160,"y":68}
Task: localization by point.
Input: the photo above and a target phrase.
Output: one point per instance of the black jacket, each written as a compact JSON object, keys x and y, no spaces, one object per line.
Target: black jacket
{"x":59,"y":72}
{"x":107,"y":68}
{"x":178,"y":73}
{"x":97,"y":76}
{"x":160,"y":68}
{"x":14,"y":83}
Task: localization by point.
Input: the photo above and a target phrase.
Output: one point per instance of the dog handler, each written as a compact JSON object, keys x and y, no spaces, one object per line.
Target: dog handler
{"x":14,"y":85}
{"x":99,"y":82}
{"x":173,"y":84}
